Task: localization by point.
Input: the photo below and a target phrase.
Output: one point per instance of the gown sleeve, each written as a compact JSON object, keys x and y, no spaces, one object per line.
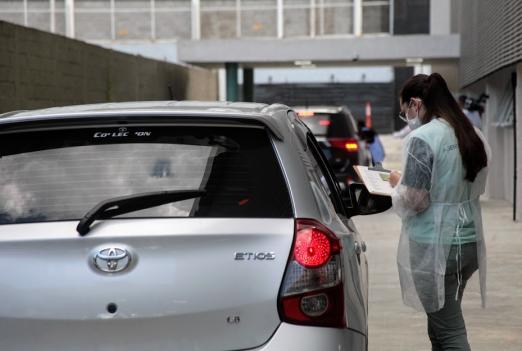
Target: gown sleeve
{"x":411,"y":195}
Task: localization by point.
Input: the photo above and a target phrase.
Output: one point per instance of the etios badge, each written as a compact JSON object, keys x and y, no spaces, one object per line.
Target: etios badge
{"x":112,"y":259}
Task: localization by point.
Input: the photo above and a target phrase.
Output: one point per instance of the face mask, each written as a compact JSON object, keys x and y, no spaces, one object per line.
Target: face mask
{"x":413,"y":123}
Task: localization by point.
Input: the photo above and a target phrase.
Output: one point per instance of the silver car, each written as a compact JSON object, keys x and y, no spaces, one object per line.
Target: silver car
{"x":176,"y":226}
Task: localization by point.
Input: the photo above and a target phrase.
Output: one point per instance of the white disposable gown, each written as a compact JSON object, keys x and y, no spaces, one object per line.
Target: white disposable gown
{"x":439,"y":209}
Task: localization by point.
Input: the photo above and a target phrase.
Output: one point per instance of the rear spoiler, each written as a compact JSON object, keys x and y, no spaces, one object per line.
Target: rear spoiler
{"x":218,"y":117}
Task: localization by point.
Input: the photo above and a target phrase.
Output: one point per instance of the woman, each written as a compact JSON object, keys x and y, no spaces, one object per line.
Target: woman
{"x":437,"y":197}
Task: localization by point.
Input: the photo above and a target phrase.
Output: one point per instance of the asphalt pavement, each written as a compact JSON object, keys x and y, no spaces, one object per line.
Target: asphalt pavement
{"x":394,"y":327}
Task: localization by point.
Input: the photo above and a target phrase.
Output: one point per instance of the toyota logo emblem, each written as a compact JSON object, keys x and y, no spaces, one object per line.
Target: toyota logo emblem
{"x":112,"y":259}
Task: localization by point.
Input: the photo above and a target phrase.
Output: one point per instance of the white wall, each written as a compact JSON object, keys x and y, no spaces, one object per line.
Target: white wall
{"x":500,"y":182}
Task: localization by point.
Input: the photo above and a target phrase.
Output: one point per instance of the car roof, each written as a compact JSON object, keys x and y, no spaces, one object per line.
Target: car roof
{"x":264,"y":113}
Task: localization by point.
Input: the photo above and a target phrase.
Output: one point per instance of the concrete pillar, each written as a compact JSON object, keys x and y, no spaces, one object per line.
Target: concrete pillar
{"x":440,"y":17}
{"x":313,"y":9}
{"x":195,"y":15}
{"x":25,"y":13}
{"x":153,"y":19}
{"x":518,"y":141}
{"x":113,"y":19}
{"x":232,"y":86}
{"x":494,"y":186}
{"x":52,"y":16}
{"x":222,"y":85}
{"x":238,"y":18}
{"x":357,"y":17}
{"x":248,"y":84}
{"x":69,"y":18}
{"x":280,"y":19}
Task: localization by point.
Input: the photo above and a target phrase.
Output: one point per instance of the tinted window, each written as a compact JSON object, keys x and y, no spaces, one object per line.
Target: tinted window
{"x":60,"y":175}
{"x":320,"y":167}
{"x":330,"y":125}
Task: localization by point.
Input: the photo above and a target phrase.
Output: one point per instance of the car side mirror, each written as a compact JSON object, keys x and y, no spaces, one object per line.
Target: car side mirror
{"x":360,"y":202}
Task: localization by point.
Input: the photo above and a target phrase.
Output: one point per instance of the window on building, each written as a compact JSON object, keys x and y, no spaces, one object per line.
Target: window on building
{"x":258,"y":18}
{"x":375,"y":16}
{"x":219,"y":19}
{"x":335,"y":17}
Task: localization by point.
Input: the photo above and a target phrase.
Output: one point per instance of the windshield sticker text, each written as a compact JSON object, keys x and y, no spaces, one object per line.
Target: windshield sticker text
{"x":121,"y":133}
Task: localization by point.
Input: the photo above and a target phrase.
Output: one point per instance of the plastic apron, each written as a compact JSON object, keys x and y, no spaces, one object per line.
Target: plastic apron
{"x":439,"y":209}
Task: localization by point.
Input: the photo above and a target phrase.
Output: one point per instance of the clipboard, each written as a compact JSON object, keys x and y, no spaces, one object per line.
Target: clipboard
{"x":375,"y":179}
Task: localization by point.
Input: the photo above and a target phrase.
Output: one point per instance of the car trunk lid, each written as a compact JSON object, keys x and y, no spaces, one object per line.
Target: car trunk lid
{"x":192,"y":284}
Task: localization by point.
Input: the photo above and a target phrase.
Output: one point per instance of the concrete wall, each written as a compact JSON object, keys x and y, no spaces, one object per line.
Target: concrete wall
{"x":38,"y":69}
{"x":502,"y":141}
{"x":367,"y":50}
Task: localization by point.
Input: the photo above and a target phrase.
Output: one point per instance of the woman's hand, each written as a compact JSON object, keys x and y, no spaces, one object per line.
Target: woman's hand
{"x":395,"y":177}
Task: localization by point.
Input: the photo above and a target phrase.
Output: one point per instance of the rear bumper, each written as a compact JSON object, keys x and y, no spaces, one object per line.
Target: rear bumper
{"x":290,"y":337}
{"x":23,"y":336}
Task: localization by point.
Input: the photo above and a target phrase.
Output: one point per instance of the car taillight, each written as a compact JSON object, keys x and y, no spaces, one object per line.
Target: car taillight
{"x":350,"y":145}
{"x":312,"y":291}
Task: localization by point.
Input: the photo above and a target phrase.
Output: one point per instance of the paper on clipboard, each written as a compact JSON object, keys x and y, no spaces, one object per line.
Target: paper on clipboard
{"x":375,"y":181}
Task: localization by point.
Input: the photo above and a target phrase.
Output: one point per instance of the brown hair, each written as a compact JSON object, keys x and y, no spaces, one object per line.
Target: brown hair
{"x":438,"y":101}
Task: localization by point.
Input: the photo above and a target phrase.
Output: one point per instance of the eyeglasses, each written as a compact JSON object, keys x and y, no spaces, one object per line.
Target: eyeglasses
{"x":402,"y":115}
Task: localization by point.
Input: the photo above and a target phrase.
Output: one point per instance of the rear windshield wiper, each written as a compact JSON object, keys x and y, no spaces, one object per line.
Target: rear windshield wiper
{"x":125,"y":204}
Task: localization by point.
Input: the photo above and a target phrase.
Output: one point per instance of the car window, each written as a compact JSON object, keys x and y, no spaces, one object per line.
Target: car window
{"x":320,"y":169}
{"x":61,"y":174}
{"x":330,"y":125}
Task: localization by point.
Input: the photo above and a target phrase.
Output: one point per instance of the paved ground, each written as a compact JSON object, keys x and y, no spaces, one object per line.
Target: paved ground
{"x":396,"y":327}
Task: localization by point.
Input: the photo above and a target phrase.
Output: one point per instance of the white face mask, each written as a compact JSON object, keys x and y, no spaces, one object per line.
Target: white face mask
{"x":413,"y":123}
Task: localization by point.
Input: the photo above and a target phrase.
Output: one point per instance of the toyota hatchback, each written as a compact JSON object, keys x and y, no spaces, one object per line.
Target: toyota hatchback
{"x":176,"y":226}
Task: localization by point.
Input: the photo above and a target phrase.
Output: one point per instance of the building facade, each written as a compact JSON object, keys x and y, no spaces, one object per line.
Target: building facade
{"x":156,"y":20}
{"x":491,"y":63}
{"x":412,"y":36}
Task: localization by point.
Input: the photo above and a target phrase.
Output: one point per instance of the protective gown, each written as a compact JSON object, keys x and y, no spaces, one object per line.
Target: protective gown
{"x":439,"y":209}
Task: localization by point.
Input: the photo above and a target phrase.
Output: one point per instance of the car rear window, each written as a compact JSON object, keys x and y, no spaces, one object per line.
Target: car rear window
{"x":61,"y":174}
{"x":330,"y":125}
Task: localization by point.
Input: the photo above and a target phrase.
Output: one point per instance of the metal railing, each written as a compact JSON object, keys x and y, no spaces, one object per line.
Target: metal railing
{"x":201,"y":19}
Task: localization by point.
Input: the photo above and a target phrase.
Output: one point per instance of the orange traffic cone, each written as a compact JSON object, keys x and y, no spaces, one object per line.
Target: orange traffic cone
{"x":368,"y":114}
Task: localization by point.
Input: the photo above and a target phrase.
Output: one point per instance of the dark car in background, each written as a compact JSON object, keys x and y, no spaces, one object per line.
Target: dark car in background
{"x":336,"y":130}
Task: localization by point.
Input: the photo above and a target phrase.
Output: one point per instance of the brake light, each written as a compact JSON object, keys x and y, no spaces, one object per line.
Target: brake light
{"x":312,"y":291}
{"x":350,"y":145}
{"x":324,"y":122}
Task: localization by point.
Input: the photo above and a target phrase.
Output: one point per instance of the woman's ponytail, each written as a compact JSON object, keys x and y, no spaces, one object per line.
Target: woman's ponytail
{"x":439,"y":102}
